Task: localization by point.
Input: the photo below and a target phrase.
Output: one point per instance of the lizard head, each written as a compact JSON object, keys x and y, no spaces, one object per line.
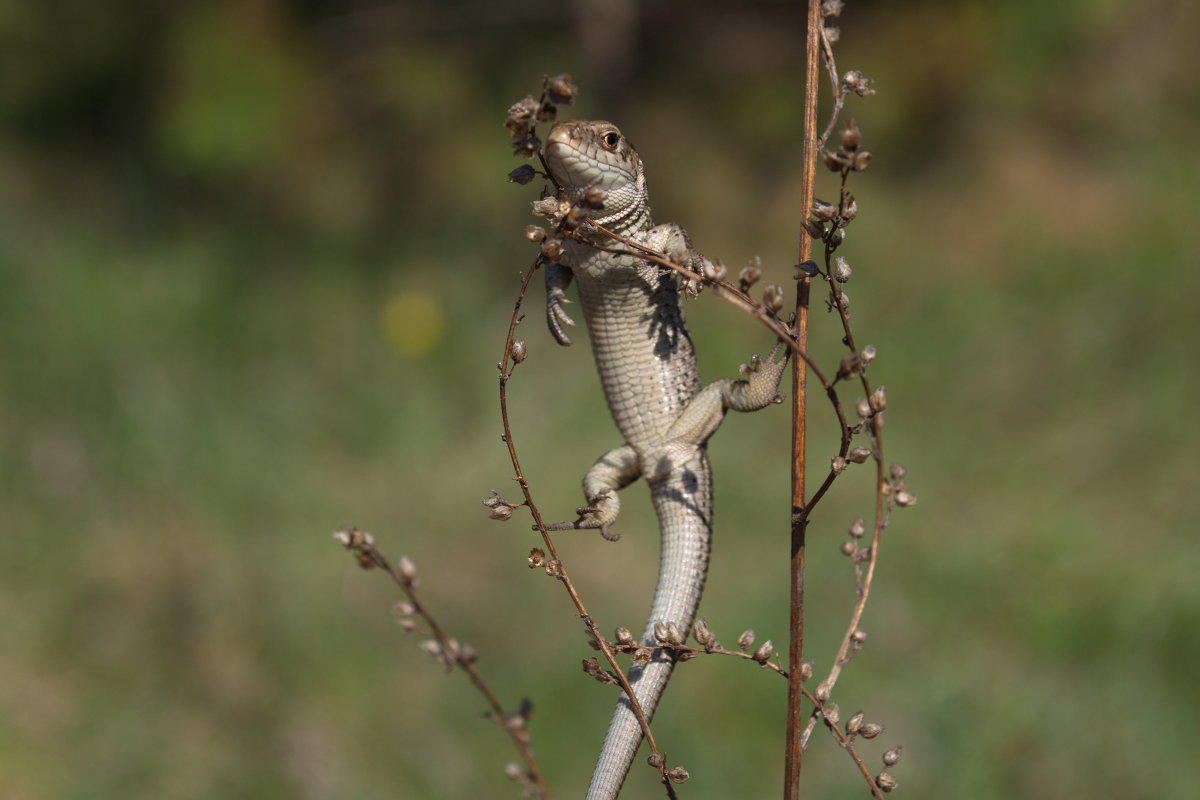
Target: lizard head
{"x":580,"y":154}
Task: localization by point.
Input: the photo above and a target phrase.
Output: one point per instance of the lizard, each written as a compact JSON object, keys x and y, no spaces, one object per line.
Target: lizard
{"x":648,"y":371}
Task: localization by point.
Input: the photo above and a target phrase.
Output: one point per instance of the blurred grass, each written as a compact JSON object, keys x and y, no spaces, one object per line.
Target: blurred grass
{"x":255,"y":264}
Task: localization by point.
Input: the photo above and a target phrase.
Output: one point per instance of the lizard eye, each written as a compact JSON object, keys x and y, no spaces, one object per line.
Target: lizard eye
{"x":611,"y":140}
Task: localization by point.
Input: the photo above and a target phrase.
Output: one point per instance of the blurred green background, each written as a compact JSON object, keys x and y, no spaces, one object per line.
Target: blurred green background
{"x":256,"y":260}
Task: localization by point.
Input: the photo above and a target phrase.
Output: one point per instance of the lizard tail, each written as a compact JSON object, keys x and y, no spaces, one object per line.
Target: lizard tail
{"x":683,"y":501}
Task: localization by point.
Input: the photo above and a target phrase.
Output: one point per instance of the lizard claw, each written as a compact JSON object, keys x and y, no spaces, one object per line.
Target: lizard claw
{"x":556,"y":317}
{"x":599,"y":515}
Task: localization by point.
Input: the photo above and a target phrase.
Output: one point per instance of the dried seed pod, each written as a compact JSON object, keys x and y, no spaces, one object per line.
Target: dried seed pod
{"x":862,"y":408}
{"x":560,"y":89}
{"x":838,"y":465}
{"x":661,"y":633}
{"x":750,"y":274}
{"x":642,"y":655}
{"x":514,"y":772}
{"x":624,"y":636}
{"x":408,"y":570}
{"x":862,"y":161}
{"x":806,"y":670}
{"x":878,"y":399}
{"x":675,"y":635}
{"x":858,"y":528}
{"x":535,"y":233}
{"x":823,"y":211}
{"x":905,"y":498}
{"x":519,"y":351}
{"x":832,"y":713}
{"x":714,"y":270}
{"x":677,"y":774}
{"x":536,"y":558}
{"x":885,"y":782}
{"x":841,"y":270}
{"x":545,"y":207}
{"x":850,"y":211}
{"x":848,"y":548}
{"x":855,"y":81}
{"x":773,"y":298}
{"x":594,"y":197}
{"x":551,"y":249}
{"x":854,"y":723}
{"x":892,"y":757}
{"x":656,"y":760}
{"x":859,"y":455}
{"x":746,"y":640}
{"x":859,"y":636}
{"x":823,"y":690}
{"x":523,"y":174}
{"x":898,"y":472}
{"x":764,"y":652}
{"x":851,"y":136}
{"x":404,"y":609}
{"x":501,"y":513}
{"x":870,"y":730}
{"x":702,"y":634}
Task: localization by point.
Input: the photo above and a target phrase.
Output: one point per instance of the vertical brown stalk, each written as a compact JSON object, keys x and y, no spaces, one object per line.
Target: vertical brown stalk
{"x":791,"y":779}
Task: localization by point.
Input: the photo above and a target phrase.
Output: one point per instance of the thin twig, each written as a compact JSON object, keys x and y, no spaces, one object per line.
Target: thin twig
{"x":370,"y":556}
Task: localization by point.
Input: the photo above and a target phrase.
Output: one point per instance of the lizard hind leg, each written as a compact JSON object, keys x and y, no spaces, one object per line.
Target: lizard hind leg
{"x":613,"y":471}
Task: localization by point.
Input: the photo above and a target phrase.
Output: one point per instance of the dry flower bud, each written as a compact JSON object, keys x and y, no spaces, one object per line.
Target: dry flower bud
{"x":878,"y":399}
{"x":746,"y":640}
{"x":868,"y":354}
{"x":554,"y":568}
{"x":523,"y":174}
{"x":885,"y":782}
{"x":677,"y":774}
{"x":859,"y":636}
{"x":898,"y":472}
{"x":838,"y":465}
{"x":854,"y":81}
{"x":661,"y":633}
{"x":823,"y":211}
{"x":823,"y":690}
{"x":501,"y":513}
{"x":862,"y":161}
{"x":551,"y":249}
{"x":858,"y":528}
{"x":832,"y":713}
{"x":892,"y":757}
{"x":675,"y":636}
{"x":642,"y":655}
{"x":905,"y":498}
{"x":656,"y":760}
{"x":841,"y":270}
{"x":848,"y":548}
{"x":624,"y":636}
{"x":859,"y":455}
{"x":815,"y":228}
{"x":701,"y":633}
{"x":870,"y":730}
{"x":519,"y":351}
{"x":773,"y":298}
{"x":806,"y":670}
{"x":764,"y":652}
{"x":535,"y":233}
{"x":850,"y":211}
{"x":594,"y":197}
{"x":862,"y":408}
{"x":545,"y":207}
{"x":750,"y":274}
{"x":853,"y":724}
{"x":851,"y":136}
{"x":525,"y":108}
{"x":408,"y":570}
{"x":560,"y":89}
{"x":536,"y":558}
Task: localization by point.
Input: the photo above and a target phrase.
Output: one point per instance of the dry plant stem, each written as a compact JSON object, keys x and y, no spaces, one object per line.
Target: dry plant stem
{"x":799,"y":518}
{"x":499,"y":715}
{"x":839,"y":96}
{"x":506,"y":365}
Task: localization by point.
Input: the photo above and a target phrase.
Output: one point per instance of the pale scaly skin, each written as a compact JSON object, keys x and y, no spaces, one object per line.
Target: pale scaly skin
{"x":648,"y":370}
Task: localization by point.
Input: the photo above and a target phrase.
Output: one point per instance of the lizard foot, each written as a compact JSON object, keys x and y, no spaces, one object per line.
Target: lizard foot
{"x":599,"y":515}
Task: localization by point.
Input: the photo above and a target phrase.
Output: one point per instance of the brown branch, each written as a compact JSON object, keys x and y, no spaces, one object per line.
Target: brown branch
{"x":452,"y":655}
{"x":793,"y":753}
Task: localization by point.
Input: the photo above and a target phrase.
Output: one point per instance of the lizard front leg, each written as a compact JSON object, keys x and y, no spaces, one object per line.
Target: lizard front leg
{"x":703,"y":415}
{"x":615,"y":470}
{"x":558,"y":278}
